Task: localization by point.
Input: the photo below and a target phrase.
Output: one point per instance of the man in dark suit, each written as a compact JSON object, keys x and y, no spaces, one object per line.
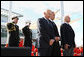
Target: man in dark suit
{"x":45,"y":35}
{"x":13,"y":31}
{"x":67,"y":36}
{"x":56,"y":46}
{"x":28,"y":35}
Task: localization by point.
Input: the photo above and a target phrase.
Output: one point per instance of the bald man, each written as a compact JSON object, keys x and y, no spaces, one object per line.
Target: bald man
{"x":44,"y":34}
{"x":68,"y":37}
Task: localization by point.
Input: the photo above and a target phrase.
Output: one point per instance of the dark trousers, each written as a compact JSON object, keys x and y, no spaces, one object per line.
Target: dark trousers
{"x":68,"y":52}
{"x":53,"y":50}
{"x":13,"y":44}
{"x":56,"y":49}
{"x":45,"y":51}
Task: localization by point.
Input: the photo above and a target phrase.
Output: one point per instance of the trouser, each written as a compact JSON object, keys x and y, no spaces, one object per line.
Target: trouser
{"x":68,"y":52}
{"x":56,"y":52}
{"x":56,"y":49}
{"x":45,"y":51}
{"x":13,"y":44}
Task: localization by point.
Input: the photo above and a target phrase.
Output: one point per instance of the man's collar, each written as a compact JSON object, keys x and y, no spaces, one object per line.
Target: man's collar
{"x":14,"y":23}
{"x":66,"y":23}
{"x":50,"y":20}
{"x":45,"y":18}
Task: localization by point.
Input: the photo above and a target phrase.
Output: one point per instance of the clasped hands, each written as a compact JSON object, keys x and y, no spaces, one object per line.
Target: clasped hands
{"x":55,"y":39}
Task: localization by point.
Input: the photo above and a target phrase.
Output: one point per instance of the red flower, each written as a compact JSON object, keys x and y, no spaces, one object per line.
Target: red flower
{"x":82,"y":50}
{"x":61,"y":50}
{"x":21,"y":44}
{"x":75,"y":49}
{"x":35,"y":50}
{"x":61,"y":54}
{"x":76,"y":54}
{"x":33,"y":47}
{"x":6,"y":45}
{"x":78,"y":51}
{"x":32,"y":54}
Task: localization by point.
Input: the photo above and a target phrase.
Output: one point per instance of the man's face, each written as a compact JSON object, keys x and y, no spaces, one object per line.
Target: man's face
{"x":52,"y":16}
{"x":16,"y":20}
{"x":68,"y":19}
{"x":47,"y":14}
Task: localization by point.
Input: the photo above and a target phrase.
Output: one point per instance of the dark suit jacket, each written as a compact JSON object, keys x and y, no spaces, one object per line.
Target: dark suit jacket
{"x":28,"y":36}
{"x":54,"y":26}
{"x":13,"y":31}
{"x":67,"y":35}
{"x":45,"y":33}
{"x":55,"y":46}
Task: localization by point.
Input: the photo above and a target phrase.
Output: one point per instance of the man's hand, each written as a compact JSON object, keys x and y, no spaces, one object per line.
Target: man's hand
{"x":51,"y":41}
{"x":57,"y":38}
{"x":66,"y":46}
